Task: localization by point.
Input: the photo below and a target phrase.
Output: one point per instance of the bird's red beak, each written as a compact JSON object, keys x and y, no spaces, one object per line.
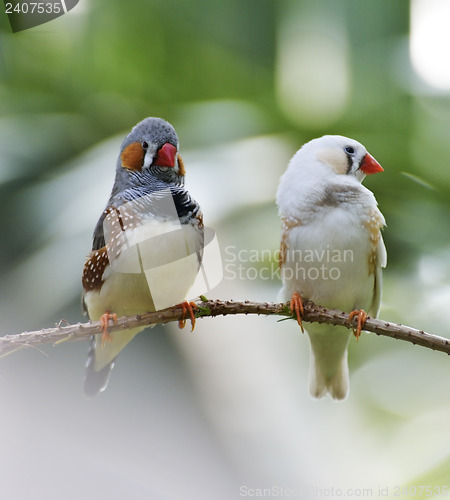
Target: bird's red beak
{"x":166,"y":156}
{"x":370,"y":166}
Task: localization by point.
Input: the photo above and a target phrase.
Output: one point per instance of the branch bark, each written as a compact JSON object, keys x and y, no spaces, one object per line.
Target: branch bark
{"x":212,"y":308}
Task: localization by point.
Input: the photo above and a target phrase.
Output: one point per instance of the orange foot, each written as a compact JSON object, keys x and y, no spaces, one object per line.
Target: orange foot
{"x":104,"y":321}
{"x":362,"y":316}
{"x":297,"y":306}
{"x":187,"y":307}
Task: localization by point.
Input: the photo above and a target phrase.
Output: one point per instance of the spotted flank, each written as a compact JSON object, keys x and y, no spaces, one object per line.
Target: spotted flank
{"x":117,"y":222}
{"x":94,"y":268}
{"x":287,"y":224}
{"x":373,"y":224}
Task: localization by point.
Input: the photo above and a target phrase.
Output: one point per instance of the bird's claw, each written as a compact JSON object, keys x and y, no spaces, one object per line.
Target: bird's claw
{"x":104,"y":322}
{"x":362,"y":317}
{"x":187,"y":307}
{"x":296,"y":305}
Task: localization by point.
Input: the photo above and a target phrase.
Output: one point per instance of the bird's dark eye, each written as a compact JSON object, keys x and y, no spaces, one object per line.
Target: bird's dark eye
{"x":350,"y":150}
{"x":144,"y":145}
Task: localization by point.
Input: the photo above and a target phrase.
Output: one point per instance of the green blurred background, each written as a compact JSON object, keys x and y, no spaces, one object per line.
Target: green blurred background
{"x":245,"y":84}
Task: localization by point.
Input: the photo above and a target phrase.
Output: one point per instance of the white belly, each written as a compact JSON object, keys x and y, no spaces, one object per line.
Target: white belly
{"x":154,"y":268}
{"x":328,"y":263}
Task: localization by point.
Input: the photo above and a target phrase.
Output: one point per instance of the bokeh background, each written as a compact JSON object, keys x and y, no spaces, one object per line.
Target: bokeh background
{"x":225,"y":409}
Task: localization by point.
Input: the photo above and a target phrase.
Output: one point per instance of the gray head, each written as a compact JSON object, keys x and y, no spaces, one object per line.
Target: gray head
{"x":150,"y":150}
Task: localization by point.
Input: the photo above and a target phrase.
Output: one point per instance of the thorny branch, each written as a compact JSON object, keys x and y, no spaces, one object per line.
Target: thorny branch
{"x":211,"y":308}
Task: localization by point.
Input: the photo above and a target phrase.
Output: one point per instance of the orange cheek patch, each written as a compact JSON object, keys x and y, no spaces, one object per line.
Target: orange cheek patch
{"x":132,"y":156}
{"x":181,"y":165}
{"x":336,"y":159}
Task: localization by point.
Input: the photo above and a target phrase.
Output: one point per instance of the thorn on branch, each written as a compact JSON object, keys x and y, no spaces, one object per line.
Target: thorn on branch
{"x":211,"y":308}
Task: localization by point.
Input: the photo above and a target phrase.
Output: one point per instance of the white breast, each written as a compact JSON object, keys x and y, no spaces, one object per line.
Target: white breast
{"x":154,"y":268}
{"x":327,"y":261}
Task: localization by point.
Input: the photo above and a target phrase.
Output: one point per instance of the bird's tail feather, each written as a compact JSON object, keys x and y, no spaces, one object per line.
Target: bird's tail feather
{"x":337,"y":384}
{"x":329,"y":368}
{"x":101,"y":359}
{"x":95,"y":381}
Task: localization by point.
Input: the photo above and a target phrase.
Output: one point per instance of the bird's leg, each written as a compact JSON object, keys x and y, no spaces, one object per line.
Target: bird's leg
{"x":187,"y":307}
{"x":362,"y":316}
{"x":296,"y":305}
{"x":104,"y":321}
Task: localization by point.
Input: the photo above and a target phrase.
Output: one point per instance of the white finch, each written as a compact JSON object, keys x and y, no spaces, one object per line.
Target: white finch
{"x":332,"y":250}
